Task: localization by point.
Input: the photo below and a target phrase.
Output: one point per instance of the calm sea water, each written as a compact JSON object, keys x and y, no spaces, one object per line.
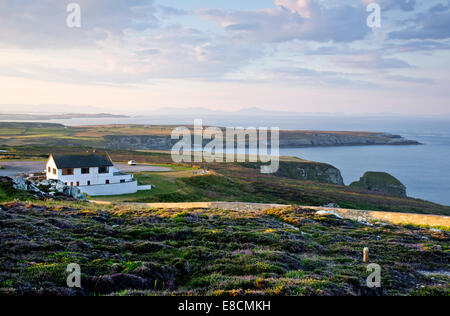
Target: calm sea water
{"x":425,"y":169}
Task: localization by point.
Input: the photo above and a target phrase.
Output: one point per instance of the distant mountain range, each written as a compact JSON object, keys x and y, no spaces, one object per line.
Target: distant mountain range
{"x":244,"y":111}
{"x":37,"y":111}
{"x":45,"y":117}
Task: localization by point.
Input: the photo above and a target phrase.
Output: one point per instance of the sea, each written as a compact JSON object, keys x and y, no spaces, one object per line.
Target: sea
{"x":424,"y":169}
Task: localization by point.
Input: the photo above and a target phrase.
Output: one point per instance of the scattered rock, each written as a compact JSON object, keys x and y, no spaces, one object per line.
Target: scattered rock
{"x":47,"y":188}
{"x":113,"y":283}
{"x":44,"y":183}
{"x":437,"y":273}
{"x":328,"y":213}
{"x":291,"y":227}
{"x":331,"y":205}
{"x":59,"y":223}
{"x":3,"y":214}
{"x":146,"y":246}
{"x":59,"y":187}
{"x":20,"y":183}
{"x":365,"y":223}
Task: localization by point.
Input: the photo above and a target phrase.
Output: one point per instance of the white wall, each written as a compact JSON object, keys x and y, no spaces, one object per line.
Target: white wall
{"x":93,"y":176}
{"x":52,"y":165}
{"x":110,"y":189}
{"x":144,"y":187}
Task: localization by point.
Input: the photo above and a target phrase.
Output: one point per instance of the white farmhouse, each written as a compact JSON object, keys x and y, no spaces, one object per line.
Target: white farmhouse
{"x":93,"y":174}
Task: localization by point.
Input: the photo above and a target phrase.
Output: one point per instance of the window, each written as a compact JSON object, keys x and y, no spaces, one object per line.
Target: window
{"x":49,"y":169}
{"x":54,"y":171}
{"x":103,"y":170}
{"x":67,"y":172}
{"x":122,"y":181}
{"x":107,"y":181}
{"x":85,"y":170}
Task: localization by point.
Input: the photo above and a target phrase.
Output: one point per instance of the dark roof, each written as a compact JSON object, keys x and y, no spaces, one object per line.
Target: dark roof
{"x":82,"y":161}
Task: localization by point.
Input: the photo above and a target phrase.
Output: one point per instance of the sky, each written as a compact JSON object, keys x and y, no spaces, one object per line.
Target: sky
{"x":136,"y":56}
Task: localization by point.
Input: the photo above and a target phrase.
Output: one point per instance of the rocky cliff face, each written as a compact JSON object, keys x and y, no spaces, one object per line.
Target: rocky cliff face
{"x":305,"y":170}
{"x":312,"y":171}
{"x":139,"y":142}
{"x":323,"y":139}
{"x":380,"y":182}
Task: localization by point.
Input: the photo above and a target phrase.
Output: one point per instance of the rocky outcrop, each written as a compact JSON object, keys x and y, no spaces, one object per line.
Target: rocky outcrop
{"x":312,"y":171}
{"x":45,"y":188}
{"x":305,"y":170}
{"x":380,"y":182}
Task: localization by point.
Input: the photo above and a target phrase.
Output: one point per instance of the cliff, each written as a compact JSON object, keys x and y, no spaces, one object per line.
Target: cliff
{"x":288,"y":139}
{"x":380,"y":182}
{"x":294,"y":139}
{"x":295,"y":168}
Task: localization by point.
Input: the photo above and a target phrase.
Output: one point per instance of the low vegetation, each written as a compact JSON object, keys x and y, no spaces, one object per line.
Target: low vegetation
{"x":140,"y":251}
{"x":8,"y":193}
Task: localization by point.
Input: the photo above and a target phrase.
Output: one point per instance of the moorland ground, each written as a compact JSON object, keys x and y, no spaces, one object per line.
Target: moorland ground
{"x":139,"y":251}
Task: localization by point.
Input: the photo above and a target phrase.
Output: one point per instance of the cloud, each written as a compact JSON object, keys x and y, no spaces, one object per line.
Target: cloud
{"x":291,"y":19}
{"x":129,"y":42}
{"x":150,"y":51}
{"x":404,"y":5}
{"x":372,"y":62}
{"x":167,"y":53}
{"x":303,"y":8}
{"x":439,"y":8}
{"x":166,"y":10}
{"x":314,"y":77}
{"x":304,"y":72}
{"x":417,"y":45}
{"x":410,"y":79}
{"x":435,"y":24}
{"x":30,"y":23}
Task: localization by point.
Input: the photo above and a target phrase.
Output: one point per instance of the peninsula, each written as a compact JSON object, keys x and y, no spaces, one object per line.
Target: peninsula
{"x":158,"y":137}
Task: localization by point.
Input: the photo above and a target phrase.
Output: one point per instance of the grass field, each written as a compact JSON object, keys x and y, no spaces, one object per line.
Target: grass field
{"x":163,"y":183}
